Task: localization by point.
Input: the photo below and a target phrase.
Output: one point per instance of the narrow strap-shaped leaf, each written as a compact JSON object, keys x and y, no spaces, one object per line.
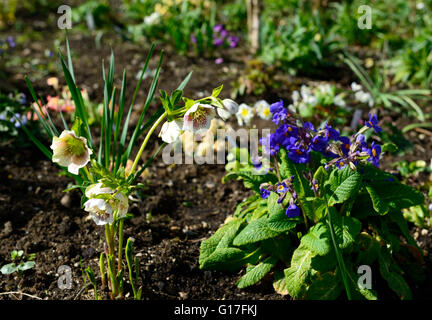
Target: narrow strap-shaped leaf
{"x":119,"y":118}
{"x":150,"y":96}
{"x":41,"y":119}
{"x":127,"y":120}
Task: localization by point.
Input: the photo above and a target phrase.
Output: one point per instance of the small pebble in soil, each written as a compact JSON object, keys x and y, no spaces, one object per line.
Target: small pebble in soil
{"x":66,"y":201}
{"x":415,"y":235}
{"x":210,"y":184}
{"x":7,"y":229}
{"x":424,"y":232}
{"x":183,"y":295}
{"x":88,"y":252}
{"x":161,"y":285}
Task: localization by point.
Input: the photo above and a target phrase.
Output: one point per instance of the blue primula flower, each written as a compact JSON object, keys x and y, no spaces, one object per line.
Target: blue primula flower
{"x":264,"y":193}
{"x":281,"y":188}
{"x":373,"y":123}
{"x":345,"y":145}
{"x":319,"y":143}
{"x":298,"y":154}
{"x":374,"y":153}
{"x":292,"y":211}
{"x":330,"y":133}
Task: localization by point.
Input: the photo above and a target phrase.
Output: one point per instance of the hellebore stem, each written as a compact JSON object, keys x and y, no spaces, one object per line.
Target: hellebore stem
{"x":120,"y":247}
{"x":88,"y":175}
{"x":146,"y":139}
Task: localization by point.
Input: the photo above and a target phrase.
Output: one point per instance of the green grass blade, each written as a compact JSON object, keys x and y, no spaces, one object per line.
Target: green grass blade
{"x":119,"y":118}
{"x":42,"y":120}
{"x":150,"y":96}
{"x":36,"y":141}
{"x":77,"y":98}
{"x":185,"y":81}
{"x":416,"y":125}
{"x":69,"y":57}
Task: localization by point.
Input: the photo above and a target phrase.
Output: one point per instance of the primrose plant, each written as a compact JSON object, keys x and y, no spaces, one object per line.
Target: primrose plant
{"x":104,"y":172}
{"x":322,"y":211}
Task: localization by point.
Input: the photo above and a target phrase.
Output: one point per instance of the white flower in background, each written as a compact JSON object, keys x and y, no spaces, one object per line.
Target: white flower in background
{"x":198,"y":118}
{"x":262,"y":108}
{"x":420,"y":6}
{"x":70,"y":151}
{"x":339,"y":101}
{"x":102,"y":209}
{"x":356,"y":87}
{"x":364,"y":97}
{"x":231,"y":107}
{"x":324,"y":88}
{"x":295,"y":96}
{"x":308,"y":96}
{"x":171,"y":130}
{"x":244,"y":114}
{"x":152,"y":19}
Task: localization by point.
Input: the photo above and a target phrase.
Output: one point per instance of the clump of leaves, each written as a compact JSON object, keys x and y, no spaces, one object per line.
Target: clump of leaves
{"x":20,"y":263}
{"x":256,"y":79}
{"x":321,"y":212}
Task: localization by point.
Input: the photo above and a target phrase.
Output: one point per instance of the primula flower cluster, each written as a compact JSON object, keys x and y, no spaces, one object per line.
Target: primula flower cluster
{"x":246,"y":113}
{"x":282,"y":189}
{"x":222,"y":36}
{"x":299,"y":139}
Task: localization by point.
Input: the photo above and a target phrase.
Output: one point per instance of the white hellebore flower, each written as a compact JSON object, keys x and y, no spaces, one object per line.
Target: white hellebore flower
{"x":295,"y":96}
{"x":262,"y":108}
{"x":198,"y":118}
{"x":355,"y":86}
{"x":102,"y":209}
{"x":152,"y":19}
{"x":231,"y":107}
{"x":70,"y":151}
{"x":244,"y":114}
{"x":171,"y":131}
{"x":364,"y":97}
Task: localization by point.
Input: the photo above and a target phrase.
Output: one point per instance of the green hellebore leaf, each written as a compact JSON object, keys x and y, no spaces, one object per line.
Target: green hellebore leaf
{"x":217,"y":91}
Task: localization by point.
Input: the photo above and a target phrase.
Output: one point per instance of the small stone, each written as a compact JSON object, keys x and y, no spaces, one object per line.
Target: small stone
{"x":7,"y":229}
{"x":66,"y":201}
{"x":424,"y":232}
{"x":210,"y":184}
{"x":161,"y":285}
{"x":183,"y":295}
{"x":416,"y":235}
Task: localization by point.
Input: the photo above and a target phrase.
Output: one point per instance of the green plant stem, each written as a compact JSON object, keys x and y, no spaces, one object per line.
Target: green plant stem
{"x":109,"y":239}
{"x":338,"y":254}
{"x":88,"y":175}
{"x":120,"y":246}
{"x":146,"y":139}
{"x":277,"y":168}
